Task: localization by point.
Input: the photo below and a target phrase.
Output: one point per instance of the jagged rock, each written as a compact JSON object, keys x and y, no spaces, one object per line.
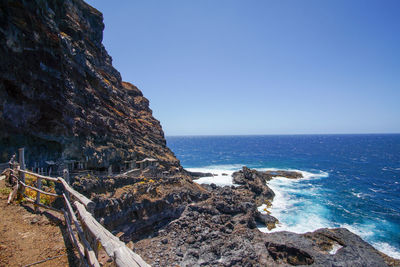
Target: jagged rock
{"x":288,"y":254}
{"x":254,"y":181}
{"x":141,"y":205}
{"x":196,"y":175}
{"x":286,"y":174}
{"x":59,"y":92}
{"x":266,"y":219}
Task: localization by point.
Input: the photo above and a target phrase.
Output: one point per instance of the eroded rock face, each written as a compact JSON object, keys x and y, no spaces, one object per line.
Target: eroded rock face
{"x":287,"y":254}
{"x":59,"y":92}
{"x":138,"y":206}
{"x":255,"y":182}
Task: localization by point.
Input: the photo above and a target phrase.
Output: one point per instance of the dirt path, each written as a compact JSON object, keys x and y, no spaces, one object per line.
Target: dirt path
{"x":26,"y":237}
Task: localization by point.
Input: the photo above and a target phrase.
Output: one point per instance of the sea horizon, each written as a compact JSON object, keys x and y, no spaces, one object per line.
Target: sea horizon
{"x":284,"y":134}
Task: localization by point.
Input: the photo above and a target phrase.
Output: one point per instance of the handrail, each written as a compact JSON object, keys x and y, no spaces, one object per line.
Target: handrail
{"x":75,"y":242}
{"x":40,"y":205}
{"x":89,"y":230}
{"x":87,"y":248}
{"x":90,"y":205}
{"x":115,"y":248}
{"x":39,"y":176}
{"x":38,"y":190}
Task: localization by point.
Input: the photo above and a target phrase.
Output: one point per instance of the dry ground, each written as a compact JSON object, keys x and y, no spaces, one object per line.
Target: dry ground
{"x":26,"y":237}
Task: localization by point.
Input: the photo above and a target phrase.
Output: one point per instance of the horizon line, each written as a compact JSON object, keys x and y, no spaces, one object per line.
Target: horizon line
{"x":298,"y":134}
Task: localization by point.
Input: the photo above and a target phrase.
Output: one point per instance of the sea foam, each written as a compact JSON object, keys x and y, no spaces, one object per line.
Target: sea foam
{"x":387,"y":249}
{"x":296,"y":204}
{"x":222,"y":174}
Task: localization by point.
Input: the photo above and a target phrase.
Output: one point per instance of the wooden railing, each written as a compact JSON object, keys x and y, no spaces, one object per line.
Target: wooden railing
{"x":86,"y":234}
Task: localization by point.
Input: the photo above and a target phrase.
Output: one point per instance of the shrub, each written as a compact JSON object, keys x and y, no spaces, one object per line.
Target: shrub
{"x":5,"y":190}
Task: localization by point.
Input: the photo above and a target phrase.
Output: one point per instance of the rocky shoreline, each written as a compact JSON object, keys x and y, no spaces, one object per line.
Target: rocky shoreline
{"x":171,"y":220}
{"x":65,"y":102}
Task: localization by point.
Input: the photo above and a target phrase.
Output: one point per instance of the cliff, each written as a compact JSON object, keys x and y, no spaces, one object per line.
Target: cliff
{"x":60,"y":95}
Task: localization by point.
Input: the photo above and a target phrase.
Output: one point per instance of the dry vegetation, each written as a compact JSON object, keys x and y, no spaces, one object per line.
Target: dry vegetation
{"x":47,"y":186}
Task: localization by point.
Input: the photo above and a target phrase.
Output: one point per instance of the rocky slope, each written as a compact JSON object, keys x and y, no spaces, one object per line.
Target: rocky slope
{"x":59,"y":92}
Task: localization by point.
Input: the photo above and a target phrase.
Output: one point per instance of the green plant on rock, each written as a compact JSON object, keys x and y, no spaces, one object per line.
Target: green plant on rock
{"x":5,"y":190}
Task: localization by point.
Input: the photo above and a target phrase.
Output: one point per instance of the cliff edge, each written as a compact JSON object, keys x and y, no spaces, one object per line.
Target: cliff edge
{"x":61,"y":97}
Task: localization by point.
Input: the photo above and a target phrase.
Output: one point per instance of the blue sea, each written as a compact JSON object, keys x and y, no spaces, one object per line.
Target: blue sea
{"x":351,"y":181}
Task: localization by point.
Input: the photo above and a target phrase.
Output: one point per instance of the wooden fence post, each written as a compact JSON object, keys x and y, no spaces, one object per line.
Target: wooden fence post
{"x":39,"y":186}
{"x":66,"y":178}
{"x":21,"y":153}
{"x":110,"y":170}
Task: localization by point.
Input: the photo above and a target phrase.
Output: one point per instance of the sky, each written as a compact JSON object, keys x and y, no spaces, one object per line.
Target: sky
{"x":231,"y":67}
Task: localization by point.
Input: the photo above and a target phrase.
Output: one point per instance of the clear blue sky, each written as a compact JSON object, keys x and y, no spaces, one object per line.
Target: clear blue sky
{"x":261,"y":67}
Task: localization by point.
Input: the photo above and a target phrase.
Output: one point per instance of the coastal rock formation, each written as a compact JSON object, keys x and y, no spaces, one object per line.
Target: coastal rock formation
{"x":255,"y":182}
{"x":173,"y":221}
{"x":60,"y":95}
{"x":61,"y":98}
{"x":282,"y":173}
{"x":139,"y":203}
{"x":221,"y":231}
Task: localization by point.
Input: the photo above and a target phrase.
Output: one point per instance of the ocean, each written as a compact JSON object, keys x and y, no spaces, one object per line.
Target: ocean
{"x":351,"y":181}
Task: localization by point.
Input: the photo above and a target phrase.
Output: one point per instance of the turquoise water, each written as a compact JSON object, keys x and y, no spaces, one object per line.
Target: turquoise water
{"x":352,"y":181}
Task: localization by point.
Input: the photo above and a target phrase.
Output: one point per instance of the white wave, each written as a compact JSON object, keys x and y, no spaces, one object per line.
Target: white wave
{"x":387,"y":249}
{"x":221,"y":177}
{"x":262,"y":208}
{"x":364,"y":231}
{"x":306,"y":175}
{"x":360,"y":195}
{"x":335,"y":249}
{"x":299,"y":226}
{"x":284,"y":207}
{"x":295,"y":213}
{"x":230,"y":167}
{"x":379,"y":190}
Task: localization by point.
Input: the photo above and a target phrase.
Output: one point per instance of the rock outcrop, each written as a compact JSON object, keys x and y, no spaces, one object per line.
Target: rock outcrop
{"x":255,"y":182}
{"x":61,"y":96}
{"x":172,"y":221}
{"x":221,"y":231}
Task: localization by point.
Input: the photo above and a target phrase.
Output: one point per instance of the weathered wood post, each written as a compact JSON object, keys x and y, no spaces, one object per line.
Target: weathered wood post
{"x":66,"y":178}
{"x":39,"y":186}
{"x":12,"y":162}
{"x":21,"y":153}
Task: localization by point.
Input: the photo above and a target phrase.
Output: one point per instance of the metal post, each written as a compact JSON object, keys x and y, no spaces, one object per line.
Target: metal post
{"x":21,"y":153}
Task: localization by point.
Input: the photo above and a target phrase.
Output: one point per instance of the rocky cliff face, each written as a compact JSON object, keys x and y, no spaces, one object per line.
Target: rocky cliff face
{"x":59,"y":93}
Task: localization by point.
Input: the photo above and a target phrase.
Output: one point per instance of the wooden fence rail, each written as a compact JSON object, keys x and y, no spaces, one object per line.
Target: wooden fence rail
{"x":84,"y":231}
